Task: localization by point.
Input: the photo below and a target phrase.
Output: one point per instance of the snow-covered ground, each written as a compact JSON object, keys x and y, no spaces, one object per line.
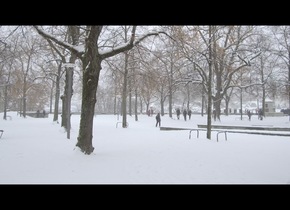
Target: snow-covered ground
{"x":36,"y":151}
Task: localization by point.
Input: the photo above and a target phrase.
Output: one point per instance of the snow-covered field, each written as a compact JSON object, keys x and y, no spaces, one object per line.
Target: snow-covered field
{"x":36,"y":151}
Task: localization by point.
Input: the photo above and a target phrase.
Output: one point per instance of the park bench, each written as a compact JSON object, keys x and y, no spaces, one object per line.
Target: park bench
{"x":194,"y":129}
{"x":200,"y":129}
{"x":255,"y":130}
{"x":1,"y":131}
{"x":223,"y":129}
{"x":240,"y":127}
{"x":219,"y":131}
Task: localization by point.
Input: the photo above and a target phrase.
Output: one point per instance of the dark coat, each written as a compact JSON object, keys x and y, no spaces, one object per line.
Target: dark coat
{"x":158,"y":118}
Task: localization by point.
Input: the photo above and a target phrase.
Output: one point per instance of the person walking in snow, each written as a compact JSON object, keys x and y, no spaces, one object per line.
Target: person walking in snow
{"x":178,"y":113}
{"x":184,"y":114}
{"x":249,"y":114}
{"x":158,"y":119}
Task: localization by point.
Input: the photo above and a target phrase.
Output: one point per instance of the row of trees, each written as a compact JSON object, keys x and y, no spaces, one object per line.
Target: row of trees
{"x":141,"y":65}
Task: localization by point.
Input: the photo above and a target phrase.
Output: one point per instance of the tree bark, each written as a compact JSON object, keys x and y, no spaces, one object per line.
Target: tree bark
{"x":57,"y":94}
{"x":5,"y":101}
{"x":124,"y":92}
{"x":90,"y":84}
{"x":91,"y":72}
{"x":136,"y":105}
{"x":208,"y":131}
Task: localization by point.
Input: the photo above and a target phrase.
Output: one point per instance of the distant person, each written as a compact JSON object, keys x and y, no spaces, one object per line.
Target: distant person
{"x":178,"y":113}
{"x":249,"y":114}
{"x":37,"y":114}
{"x":43,"y":113}
{"x":189,"y":114}
{"x":184,"y":114}
{"x":158,"y":120}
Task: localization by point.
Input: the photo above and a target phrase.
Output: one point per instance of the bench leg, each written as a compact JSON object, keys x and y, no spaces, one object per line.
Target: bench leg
{"x":217,"y":135}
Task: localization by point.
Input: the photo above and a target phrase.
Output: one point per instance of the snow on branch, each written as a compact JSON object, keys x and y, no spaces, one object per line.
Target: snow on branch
{"x":130,"y":44}
{"x":187,"y":80}
{"x":78,"y":50}
{"x":4,"y":43}
{"x":247,"y":60}
{"x":152,"y":34}
{"x":250,"y":85}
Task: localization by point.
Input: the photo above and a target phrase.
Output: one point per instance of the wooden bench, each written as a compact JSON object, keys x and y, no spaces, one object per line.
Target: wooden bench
{"x":2,"y":131}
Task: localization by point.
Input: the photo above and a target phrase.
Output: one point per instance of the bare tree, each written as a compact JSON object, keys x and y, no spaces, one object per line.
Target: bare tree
{"x":92,"y":54}
{"x":169,"y":65}
{"x":148,"y":87}
{"x":114,"y":66}
{"x":7,"y":55}
{"x":282,"y":37}
{"x":28,"y":48}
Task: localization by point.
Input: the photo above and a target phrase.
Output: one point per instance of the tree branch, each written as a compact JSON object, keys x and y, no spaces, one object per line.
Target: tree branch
{"x":66,"y":45}
{"x":129,"y":45}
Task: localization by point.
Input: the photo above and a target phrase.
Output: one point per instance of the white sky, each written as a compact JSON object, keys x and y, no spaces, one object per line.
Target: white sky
{"x":36,"y":151}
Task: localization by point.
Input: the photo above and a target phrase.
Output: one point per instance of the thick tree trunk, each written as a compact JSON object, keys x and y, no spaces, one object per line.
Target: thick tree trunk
{"x":124,"y":92}
{"x":241,"y":103}
{"x":170,"y":101}
{"x":130,"y":98}
{"x":217,"y":104}
{"x":136,"y":105}
{"x":227,"y":106}
{"x":208,"y":131}
{"x":51,"y":98}
{"x":5,"y":102}
{"x":67,"y":96}
{"x":202,"y":101}
{"x":90,"y":84}
{"x":24,"y":99}
{"x":63,"y":111}
{"x":91,"y":72}
{"x":57,"y":94}
{"x":162,"y":106}
{"x":115,"y":104}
